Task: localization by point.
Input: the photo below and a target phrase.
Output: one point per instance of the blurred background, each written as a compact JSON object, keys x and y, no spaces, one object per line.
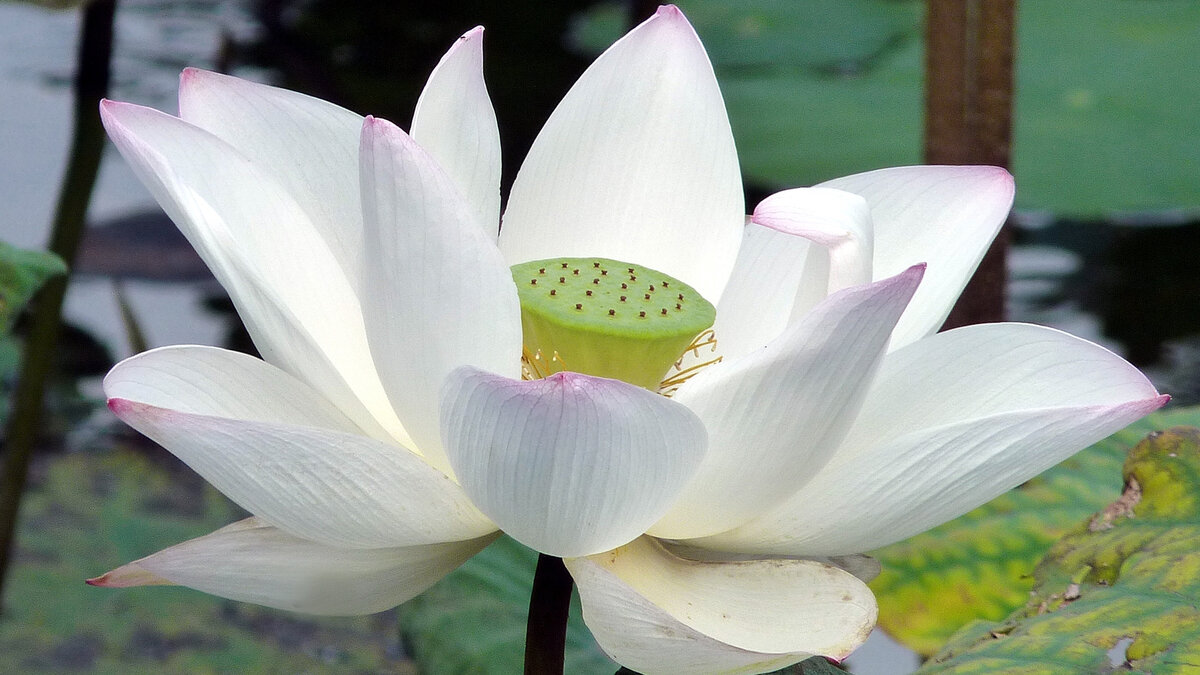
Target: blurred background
{"x":1106,"y":152}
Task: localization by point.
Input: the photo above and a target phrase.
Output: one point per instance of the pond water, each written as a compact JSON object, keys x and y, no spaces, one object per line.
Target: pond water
{"x":1119,"y":284}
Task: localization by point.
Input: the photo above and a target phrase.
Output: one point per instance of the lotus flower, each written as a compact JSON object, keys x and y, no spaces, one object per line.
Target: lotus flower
{"x":396,"y":421}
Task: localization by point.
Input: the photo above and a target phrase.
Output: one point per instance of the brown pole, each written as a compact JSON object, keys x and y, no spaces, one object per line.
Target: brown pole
{"x":969,"y":46}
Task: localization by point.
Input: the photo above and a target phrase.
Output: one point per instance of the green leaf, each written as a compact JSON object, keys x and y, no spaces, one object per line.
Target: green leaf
{"x":1126,"y":580}
{"x":980,"y":566}
{"x":22,"y":273}
{"x":473,"y":621}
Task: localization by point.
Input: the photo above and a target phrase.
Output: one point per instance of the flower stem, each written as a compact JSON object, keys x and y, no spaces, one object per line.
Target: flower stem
{"x":87,"y":147}
{"x":549,"y":605}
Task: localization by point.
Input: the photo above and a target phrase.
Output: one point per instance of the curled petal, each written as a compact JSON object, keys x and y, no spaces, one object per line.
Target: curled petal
{"x":775,"y":416}
{"x":945,"y":216}
{"x":637,"y":164}
{"x":454,"y":121}
{"x":251,"y":561}
{"x":654,"y":612}
{"x":571,"y":464}
{"x":952,"y":421}
{"x":776,"y":276}
{"x":443,"y":295}
{"x":839,"y":221}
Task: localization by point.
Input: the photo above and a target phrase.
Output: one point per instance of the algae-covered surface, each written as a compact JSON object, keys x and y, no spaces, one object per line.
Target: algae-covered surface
{"x":89,"y":511}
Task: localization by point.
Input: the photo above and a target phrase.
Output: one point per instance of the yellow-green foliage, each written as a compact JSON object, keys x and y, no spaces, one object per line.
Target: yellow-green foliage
{"x":1126,"y":578}
{"x":980,"y":566}
{"x":87,"y":512}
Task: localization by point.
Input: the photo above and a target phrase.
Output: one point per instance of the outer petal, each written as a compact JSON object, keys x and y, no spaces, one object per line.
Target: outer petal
{"x":636,"y":164}
{"x":775,"y":416}
{"x":656,"y":613}
{"x":839,"y":221}
{"x":288,"y":287}
{"x":454,"y":122}
{"x":308,"y":145}
{"x":571,"y":464}
{"x":254,"y":562}
{"x":442,"y":295}
{"x":953,"y":421}
{"x":281,"y":452}
{"x":945,"y":216}
{"x":776,"y":276}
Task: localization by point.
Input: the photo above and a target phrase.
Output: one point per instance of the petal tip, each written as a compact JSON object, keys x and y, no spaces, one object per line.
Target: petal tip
{"x":475,"y":33}
{"x":127,"y":576}
{"x":120,"y":405}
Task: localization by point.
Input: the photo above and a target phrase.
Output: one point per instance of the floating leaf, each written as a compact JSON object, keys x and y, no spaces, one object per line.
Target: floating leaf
{"x":1120,"y":591}
{"x":22,"y":273}
{"x":473,"y":621}
{"x":980,"y":566}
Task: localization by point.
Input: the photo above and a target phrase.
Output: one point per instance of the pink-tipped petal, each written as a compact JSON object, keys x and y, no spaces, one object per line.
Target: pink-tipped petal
{"x":455,"y":123}
{"x":275,"y":447}
{"x":952,"y":421}
{"x":775,"y":416}
{"x":308,"y":145}
{"x":636,"y":164}
{"x":837,"y":220}
{"x":295,"y":299}
{"x":571,"y":464}
{"x":945,"y":216}
{"x":656,"y":613}
{"x":443,"y":296}
{"x":251,"y":561}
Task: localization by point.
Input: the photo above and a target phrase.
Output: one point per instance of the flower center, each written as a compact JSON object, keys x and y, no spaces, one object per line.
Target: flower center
{"x":606,"y":318}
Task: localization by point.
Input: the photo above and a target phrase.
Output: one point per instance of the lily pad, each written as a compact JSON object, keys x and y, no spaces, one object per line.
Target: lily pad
{"x":980,"y":566}
{"x":22,"y":273}
{"x":473,"y":621}
{"x":1120,"y":592}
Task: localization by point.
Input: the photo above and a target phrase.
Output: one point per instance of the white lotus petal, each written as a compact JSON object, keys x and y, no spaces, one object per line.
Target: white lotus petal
{"x":945,"y":216}
{"x":775,"y":416}
{"x":251,"y":437}
{"x":309,"y":146}
{"x":839,"y":221}
{"x":571,"y":464}
{"x":953,"y":420}
{"x":444,"y":296}
{"x":221,"y":383}
{"x":776,"y":276}
{"x":657,"y":613}
{"x":251,"y":561}
{"x":288,"y":287}
{"x":455,"y":123}
{"x":637,"y":164}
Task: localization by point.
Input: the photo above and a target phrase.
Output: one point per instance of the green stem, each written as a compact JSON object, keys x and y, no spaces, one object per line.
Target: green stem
{"x":87,"y":146}
{"x":549,"y":606}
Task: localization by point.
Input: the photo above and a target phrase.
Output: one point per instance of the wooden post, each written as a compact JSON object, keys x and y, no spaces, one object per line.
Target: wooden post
{"x":969,"y":47}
